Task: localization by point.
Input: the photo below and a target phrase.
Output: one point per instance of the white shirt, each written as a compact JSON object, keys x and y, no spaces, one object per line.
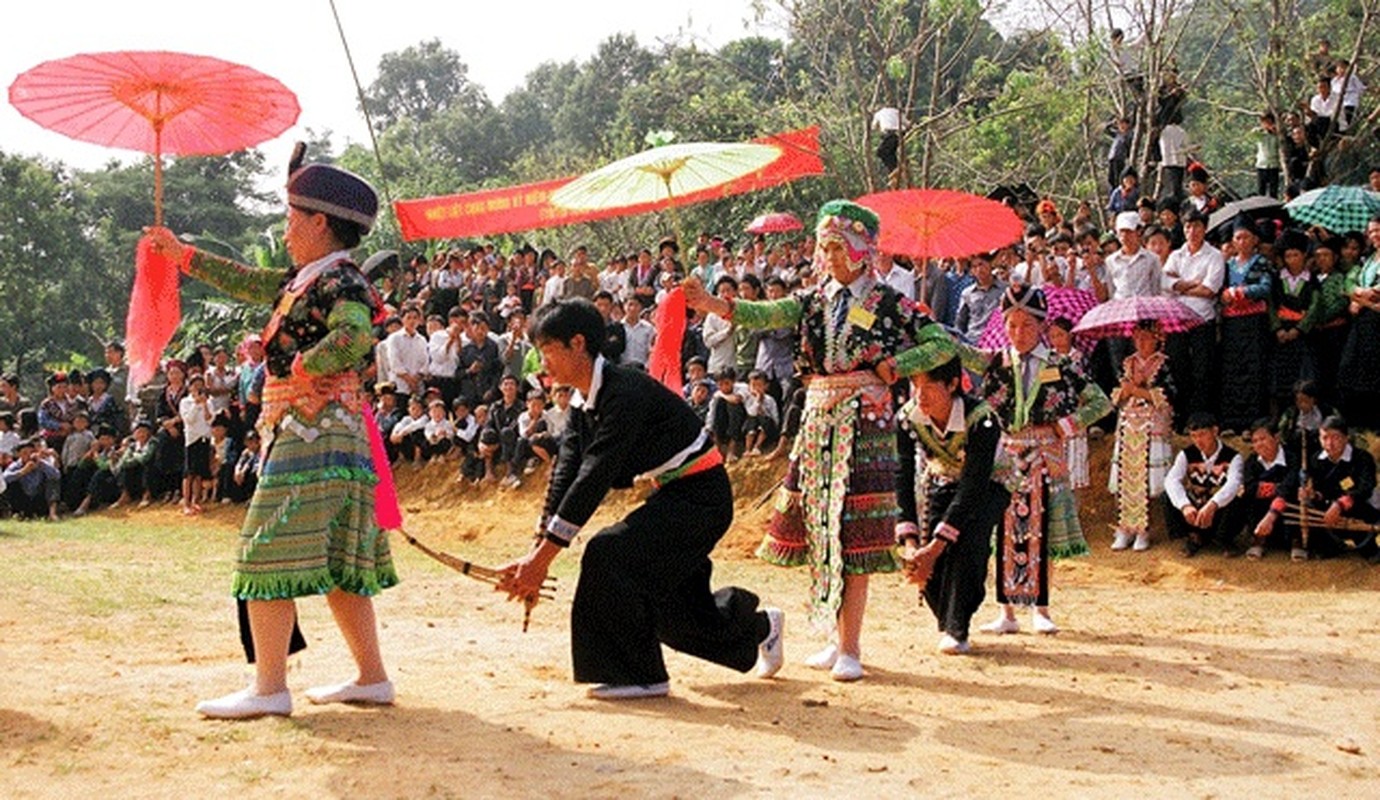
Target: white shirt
{"x":1135,"y":275}
{"x":1354,"y":89}
{"x":557,"y":419}
{"x":465,"y":429}
{"x":409,"y":424}
{"x":1324,"y":107}
{"x":887,"y":119}
{"x":436,"y":430}
{"x":1174,"y":479}
{"x":639,"y":337}
{"x":902,"y":280}
{"x":554,"y":288}
{"x":1173,"y":146}
{"x":442,"y":359}
{"x":406,"y":354}
{"x":1206,"y":266}
{"x":196,"y":419}
{"x":718,"y":337}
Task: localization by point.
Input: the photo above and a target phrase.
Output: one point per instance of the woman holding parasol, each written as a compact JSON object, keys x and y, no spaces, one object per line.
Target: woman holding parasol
{"x":310,"y":528}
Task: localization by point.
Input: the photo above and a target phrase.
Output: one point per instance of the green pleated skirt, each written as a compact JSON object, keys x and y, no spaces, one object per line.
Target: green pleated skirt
{"x":310,"y":527}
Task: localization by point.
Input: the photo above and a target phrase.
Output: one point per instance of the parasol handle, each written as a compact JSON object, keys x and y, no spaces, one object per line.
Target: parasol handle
{"x":158,"y":171}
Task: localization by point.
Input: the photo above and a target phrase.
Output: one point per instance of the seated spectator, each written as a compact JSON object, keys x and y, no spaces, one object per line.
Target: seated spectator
{"x":535,"y":442}
{"x":1199,"y":487}
{"x":33,"y":483}
{"x":165,"y":472}
{"x":1264,"y":478}
{"x":727,"y":414}
{"x":1339,"y":481}
{"x":558,"y":415}
{"x":503,"y":423}
{"x":135,"y":465}
{"x":9,"y":437}
{"x":762,"y":424}
{"x":387,"y":415}
{"x":75,"y":450}
{"x":700,"y":393}
{"x":1299,"y":424}
{"x":472,"y":464}
{"x":409,"y":435}
{"x":696,"y":370}
{"x":103,"y":485}
{"x":439,"y":432}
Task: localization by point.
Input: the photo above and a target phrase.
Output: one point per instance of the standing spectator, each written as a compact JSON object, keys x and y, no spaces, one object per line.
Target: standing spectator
{"x":1126,"y":193}
{"x":443,"y":355}
{"x":645,"y":278}
{"x":1198,"y":195}
{"x":1246,"y":335}
{"x":1132,"y":271}
{"x":1294,"y":300}
{"x":1329,"y":335}
{"x":887,"y":120}
{"x":1266,"y":139}
{"x":55,"y":412}
{"x":1193,"y":275}
{"x":718,"y":331}
{"x":554,"y":288}
{"x":514,"y":348}
{"x":980,"y":299}
{"x":1174,"y":150}
{"x":580,"y":283}
{"x":221,"y":381}
{"x":251,"y":379}
{"x":1322,"y":109}
{"x":1118,"y":154}
{"x":1358,"y":374}
{"x":105,"y":408}
{"x":615,"y":336}
{"x":1144,"y":428}
{"x":1349,"y":86}
{"x":10,"y":398}
{"x":638,"y":334}
{"x":481,"y":362}
{"x":898,"y":273}
{"x":407,"y":355}
{"x":196,"y":418}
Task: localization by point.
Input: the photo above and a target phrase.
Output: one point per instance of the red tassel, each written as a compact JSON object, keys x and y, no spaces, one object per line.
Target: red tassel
{"x":664,"y":362}
{"x":155,"y":311}
{"x":387,"y":513}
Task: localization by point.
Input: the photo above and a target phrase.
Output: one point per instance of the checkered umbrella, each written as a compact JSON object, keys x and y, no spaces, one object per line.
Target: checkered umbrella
{"x":1069,"y":304}
{"x":1339,"y":209}
{"x":1119,"y":317}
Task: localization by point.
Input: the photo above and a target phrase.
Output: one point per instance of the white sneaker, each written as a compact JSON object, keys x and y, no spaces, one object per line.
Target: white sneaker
{"x":245,"y":704}
{"x":1043,"y":624}
{"x":950,"y":646}
{"x":824,"y":659}
{"x":630,"y":691}
{"x":1142,"y":542}
{"x":1002,"y":624}
{"x":371,"y":694}
{"x":1121,"y":540}
{"x":846,"y":669}
{"x":771,"y":653}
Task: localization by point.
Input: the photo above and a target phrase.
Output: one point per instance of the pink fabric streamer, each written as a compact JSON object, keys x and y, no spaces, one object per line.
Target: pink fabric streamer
{"x":387,"y":513}
{"x":664,"y":362}
{"x":155,"y":311}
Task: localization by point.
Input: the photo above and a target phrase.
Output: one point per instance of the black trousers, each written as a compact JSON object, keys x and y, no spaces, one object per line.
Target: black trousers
{"x":888,"y":150}
{"x":1226,"y":524}
{"x":1191,"y":356}
{"x":644,"y":582}
{"x":958,"y":584}
{"x":1267,"y":181}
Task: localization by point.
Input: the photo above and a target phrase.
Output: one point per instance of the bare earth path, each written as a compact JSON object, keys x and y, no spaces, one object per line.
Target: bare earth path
{"x":1173,"y":678}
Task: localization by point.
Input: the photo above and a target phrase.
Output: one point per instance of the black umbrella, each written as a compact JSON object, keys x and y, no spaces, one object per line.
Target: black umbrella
{"x":1254,"y":208}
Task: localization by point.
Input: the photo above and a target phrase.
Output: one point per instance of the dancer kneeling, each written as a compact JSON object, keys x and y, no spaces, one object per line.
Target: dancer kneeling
{"x":644,"y":581}
{"x":947,"y":448}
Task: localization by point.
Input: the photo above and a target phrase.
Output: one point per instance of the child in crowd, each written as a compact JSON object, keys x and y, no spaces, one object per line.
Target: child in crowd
{"x":103,"y":486}
{"x":195,"y":410}
{"x":1060,"y":334}
{"x":439,"y":432}
{"x":727,"y":414}
{"x":762,"y":425}
{"x":535,"y":442}
{"x":246,"y":474}
{"x":135,"y":465}
{"x":701,"y":392}
{"x":223,"y":455}
{"x":75,"y":449}
{"x":472,"y":468}
{"x":409,"y":435}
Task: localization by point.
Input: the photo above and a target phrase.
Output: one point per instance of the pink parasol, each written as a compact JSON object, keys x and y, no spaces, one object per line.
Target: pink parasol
{"x":155,"y":102}
{"x":1119,"y":317}
{"x":941,"y":223}
{"x":775,"y":222}
{"x":1064,"y":303}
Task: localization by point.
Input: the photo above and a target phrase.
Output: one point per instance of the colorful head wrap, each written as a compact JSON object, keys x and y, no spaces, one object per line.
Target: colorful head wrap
{"x":853,"y":226}
{"x":934,"y":348}
{"x":1024,"y":298}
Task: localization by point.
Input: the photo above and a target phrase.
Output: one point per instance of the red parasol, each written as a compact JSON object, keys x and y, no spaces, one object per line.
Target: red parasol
{"x":1119,"y":317}
{"x":1064,"y":303}
{"x":941,"y":223}
{"x":775,"y":222}
{"x":155,"y":102}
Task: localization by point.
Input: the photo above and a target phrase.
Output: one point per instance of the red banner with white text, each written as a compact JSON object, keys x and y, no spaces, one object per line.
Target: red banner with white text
{"x":527,"y":207}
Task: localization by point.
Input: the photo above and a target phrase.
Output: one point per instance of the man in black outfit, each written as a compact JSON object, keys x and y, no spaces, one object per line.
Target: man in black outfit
{"x":644,"y":581}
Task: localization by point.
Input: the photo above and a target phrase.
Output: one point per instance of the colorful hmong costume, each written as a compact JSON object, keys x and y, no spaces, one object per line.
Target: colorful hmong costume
{"x":1329,"y":335}
{"x":946,"y":488}
{"x":1036,"y":397}
{"x":310,"y":526}
{"x":1143,"y":449}
{"x":1245,"y":341}
{"x":843,"y":462}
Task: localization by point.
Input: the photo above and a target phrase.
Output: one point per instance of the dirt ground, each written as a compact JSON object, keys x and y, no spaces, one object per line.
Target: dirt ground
{"x":1172,"y":678}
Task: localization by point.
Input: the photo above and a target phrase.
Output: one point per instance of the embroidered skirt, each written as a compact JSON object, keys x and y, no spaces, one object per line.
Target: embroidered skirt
{"x":1142,"y":456}
{"x":836,"y":510}
{"x":310,"y":527}
{"x":1041,"y":521}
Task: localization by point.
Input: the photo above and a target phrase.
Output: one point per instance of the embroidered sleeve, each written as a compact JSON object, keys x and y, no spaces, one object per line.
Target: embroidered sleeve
{"x":248,"y":284}
{"x":347,"y":342}
{"x":760,"y":314}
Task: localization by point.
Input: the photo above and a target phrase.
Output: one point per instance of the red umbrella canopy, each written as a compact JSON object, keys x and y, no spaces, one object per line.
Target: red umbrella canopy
{"x":156,"y":102}
{"x":941,"y":223}
{"x":775,"y":222}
